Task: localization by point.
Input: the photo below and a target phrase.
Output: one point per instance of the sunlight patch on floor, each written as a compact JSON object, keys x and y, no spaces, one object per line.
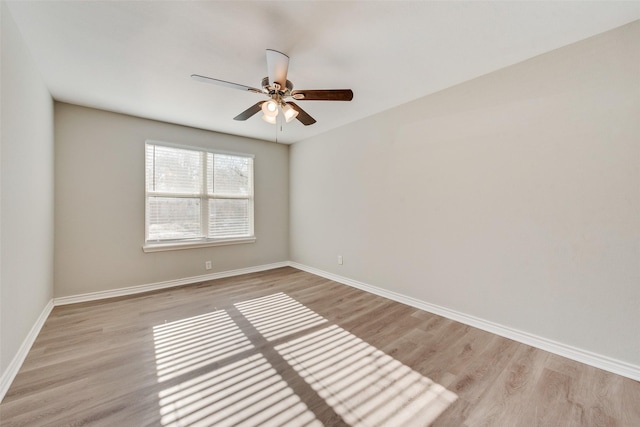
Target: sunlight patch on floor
{"x":278,"y":315}
{"x":248,"y":392}
{"x":216,"y":376}
{"x":364,"y":385}
{"x":186,"y":345}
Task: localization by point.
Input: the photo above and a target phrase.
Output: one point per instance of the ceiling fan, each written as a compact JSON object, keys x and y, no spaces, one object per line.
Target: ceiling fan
{"x":278,"y":89}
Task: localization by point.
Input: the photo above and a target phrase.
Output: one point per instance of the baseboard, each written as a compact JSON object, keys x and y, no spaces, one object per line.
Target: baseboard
{"x":593,"y":359}
{"x":12,"y":370}
{"x":93,"y":296}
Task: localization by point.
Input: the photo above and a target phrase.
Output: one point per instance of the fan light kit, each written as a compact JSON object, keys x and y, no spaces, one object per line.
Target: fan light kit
{"x":277,"y":88}
{"x":270,"y":111}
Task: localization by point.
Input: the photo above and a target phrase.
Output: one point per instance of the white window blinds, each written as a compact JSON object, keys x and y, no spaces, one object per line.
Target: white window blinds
{"x":196,"y":195}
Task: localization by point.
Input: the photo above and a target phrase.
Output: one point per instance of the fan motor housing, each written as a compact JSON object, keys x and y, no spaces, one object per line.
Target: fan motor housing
{"x":271,"y":90}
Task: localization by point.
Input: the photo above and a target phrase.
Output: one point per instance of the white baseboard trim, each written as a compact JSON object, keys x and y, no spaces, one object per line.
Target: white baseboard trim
{"x":593,"y":359}
{"x":12,"y":370}
{"x":93,"y":296}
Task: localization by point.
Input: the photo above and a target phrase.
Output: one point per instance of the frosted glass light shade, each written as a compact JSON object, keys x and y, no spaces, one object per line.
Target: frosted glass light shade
{"x":269,"y":119}
{"x":270,"y":108}
{"x":289,"y":113}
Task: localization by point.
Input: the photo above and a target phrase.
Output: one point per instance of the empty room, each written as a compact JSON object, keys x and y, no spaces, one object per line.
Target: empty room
{"x":320,"y":213}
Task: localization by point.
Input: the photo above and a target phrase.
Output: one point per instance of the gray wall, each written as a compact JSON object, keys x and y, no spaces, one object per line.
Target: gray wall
{"x":26,"y":193}
{"x":99,"y":187}
{"x":514,"y":197}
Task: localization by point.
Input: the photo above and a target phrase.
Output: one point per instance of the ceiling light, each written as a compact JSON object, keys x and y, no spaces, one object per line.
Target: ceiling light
{"x":269,"y":119}
{"x":270,"y":108}
{"x":289,"y":112}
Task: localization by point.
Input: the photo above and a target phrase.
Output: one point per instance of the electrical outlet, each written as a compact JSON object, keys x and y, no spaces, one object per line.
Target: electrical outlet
{"x":207,"y":265}
{"x":339,"y":259}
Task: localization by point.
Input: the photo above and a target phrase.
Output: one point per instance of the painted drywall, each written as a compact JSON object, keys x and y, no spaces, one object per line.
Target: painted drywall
{"x":99,"y":216}
{"x":514,"y":197}
{"x":26,"y":193}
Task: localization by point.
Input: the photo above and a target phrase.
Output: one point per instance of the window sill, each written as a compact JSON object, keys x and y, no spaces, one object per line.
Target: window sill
{"x":176,"y":246}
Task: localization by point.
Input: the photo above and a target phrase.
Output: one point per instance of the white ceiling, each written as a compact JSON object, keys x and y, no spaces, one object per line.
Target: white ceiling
{"x":135,"y":57}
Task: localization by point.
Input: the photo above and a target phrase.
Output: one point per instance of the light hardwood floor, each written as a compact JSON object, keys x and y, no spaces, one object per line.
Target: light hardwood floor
{"x":285,"y":347}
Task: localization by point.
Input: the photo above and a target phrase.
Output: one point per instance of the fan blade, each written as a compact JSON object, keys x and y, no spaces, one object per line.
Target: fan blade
{"x":277,"y":67}
{"x":204,"y":79}
{"x":302,"y":116}
{"x":323,"y":95}
{"x":249,"y":112}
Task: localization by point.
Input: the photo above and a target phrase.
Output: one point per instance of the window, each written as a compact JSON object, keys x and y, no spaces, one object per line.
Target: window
{"x":197,"y":197}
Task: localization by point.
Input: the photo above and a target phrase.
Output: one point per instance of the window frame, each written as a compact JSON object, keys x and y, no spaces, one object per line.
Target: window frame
{"x":204,"y":197}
